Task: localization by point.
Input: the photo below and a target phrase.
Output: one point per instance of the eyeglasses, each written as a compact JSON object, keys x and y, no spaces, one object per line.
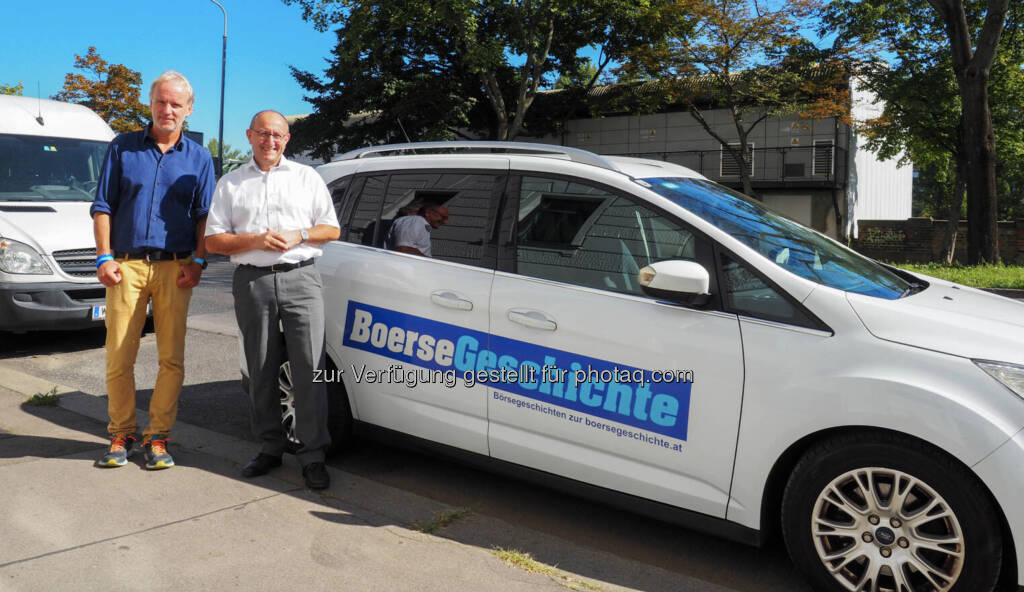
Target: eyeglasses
{"x":263,"y":134}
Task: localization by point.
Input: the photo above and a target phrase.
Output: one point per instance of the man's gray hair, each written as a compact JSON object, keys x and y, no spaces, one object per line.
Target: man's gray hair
{"x":175,"y":77}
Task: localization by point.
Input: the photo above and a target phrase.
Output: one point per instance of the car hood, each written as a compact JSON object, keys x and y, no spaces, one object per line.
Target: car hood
{"x":48,"y":226}
{"x":948,"y":318}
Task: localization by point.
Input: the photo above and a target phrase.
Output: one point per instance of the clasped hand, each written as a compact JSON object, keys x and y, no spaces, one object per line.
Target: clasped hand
{"x":281,"y":240}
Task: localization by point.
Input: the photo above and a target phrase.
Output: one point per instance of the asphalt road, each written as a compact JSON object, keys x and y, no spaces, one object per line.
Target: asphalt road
{"x":212,"y":398}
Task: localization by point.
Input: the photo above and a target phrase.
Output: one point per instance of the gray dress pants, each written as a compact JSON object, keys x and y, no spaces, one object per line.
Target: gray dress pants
{"x":267,"y":305}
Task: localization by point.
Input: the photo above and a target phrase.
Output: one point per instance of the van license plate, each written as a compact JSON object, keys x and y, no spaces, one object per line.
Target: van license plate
{"x":99,"y":312}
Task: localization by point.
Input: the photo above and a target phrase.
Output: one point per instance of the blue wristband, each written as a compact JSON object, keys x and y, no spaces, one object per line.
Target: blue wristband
{"x":103,"y":259}
{"x":200,"y":261}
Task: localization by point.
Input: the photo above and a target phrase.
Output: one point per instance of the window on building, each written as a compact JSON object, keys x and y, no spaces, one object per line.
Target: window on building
{"x":729,"y":166}
{"x":824,"y":157}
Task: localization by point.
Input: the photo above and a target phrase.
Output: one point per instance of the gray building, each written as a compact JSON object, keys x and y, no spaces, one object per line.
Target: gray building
{"x":806,"y":169}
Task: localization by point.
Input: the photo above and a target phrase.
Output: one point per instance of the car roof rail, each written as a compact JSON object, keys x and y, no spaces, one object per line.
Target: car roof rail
{"x":525,"y":148}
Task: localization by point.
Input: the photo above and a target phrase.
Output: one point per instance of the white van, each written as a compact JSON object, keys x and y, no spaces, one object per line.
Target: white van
{"x":50,"y":158}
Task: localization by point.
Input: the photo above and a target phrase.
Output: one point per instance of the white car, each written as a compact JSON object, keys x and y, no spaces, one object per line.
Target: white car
{"x":629,"y":330}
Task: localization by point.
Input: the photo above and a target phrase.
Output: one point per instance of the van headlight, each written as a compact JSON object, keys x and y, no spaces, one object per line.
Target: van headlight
{"x":1010,"y":375}
{"x":18,"y":257}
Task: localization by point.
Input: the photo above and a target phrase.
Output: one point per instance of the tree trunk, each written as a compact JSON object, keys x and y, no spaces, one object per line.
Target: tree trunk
{"x":972,"y":67}
{"x":954,"y":202}
{"x":979,"y":144}
{"x":840,"y":228}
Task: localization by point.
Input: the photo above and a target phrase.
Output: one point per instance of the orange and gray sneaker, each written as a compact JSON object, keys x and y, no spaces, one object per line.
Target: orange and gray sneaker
{"x":117,"y":454}
{"x":157,"y":456}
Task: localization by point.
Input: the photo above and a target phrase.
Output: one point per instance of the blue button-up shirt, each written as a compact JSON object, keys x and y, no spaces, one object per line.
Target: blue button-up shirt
{"x":154,"y":199}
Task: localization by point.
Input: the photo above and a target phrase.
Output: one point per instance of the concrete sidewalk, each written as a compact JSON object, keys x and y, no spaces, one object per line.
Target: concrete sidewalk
{"x":65,"y":524}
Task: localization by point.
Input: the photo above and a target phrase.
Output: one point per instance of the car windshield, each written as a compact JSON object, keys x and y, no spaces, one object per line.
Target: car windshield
{"x":38,"y":168}
{"x":789,"y":245}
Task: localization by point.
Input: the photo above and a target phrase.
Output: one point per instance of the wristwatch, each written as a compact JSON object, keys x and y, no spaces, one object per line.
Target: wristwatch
{"x":304,"y":234}
{"x":202,"y":262}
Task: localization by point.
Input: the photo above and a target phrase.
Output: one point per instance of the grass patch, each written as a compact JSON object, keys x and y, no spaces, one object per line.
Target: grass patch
{"x":44,"y":399}
{"x":526,"y":562}
{"x":442,"y":520}
{"x":978,"y":276}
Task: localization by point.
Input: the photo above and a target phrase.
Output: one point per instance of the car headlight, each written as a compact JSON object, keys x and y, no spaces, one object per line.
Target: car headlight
{"x":1010,"y":375}
{"x":18,"y":257}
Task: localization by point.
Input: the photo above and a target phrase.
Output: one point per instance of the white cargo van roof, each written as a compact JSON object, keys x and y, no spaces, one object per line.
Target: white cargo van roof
{"x":21,"y":115}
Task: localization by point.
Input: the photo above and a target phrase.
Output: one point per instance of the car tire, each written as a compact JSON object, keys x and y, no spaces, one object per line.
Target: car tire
{"x":339,"y":413}
{"x":929,"y":525}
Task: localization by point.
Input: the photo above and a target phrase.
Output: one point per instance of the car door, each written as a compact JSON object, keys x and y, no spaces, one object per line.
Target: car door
{"x":393,"y":317}
{"x":634,"y":394}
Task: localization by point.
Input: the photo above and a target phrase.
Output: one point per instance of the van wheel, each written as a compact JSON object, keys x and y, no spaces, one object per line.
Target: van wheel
{"x":339,"y":413}
{"x":887,"y":513}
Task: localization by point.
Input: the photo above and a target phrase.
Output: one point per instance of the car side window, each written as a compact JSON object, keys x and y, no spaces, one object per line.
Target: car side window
{"x":584,"y":235}
{"x":338,"y":190}
{"x":745,"y":293}
{"x":362,"y":224}
{"x":467,"y":197}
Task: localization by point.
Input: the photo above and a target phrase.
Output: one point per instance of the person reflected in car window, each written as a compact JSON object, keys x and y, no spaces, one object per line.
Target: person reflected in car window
{"x":411,"y":234}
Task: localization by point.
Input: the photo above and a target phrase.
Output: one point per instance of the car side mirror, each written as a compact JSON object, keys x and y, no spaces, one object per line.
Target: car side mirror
{"x":686,"y":282}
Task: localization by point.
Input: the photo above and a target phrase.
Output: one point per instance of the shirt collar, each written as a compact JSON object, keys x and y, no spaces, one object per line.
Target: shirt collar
{"x":179,"y":145}
{"x":284,"y":164}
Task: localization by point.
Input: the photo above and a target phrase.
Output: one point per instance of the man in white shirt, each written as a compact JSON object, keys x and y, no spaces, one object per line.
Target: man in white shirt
{"x":411,"y":234}
{"x":271,"y":216}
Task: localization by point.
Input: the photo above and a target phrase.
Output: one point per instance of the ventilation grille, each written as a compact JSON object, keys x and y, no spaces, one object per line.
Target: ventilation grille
{"x":77,"y":262}
{"x":823,"y":157}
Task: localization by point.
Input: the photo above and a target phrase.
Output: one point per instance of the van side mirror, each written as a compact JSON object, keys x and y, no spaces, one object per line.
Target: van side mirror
{"x":686,"y":282}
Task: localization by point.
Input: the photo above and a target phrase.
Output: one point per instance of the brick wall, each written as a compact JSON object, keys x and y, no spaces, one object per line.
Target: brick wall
{"x":919,"y":240}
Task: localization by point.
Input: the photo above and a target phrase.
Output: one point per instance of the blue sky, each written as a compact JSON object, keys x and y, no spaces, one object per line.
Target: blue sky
{"x":39,"y":44}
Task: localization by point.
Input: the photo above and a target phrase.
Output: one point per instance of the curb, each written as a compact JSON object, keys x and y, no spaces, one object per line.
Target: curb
{"x":95,"y":407}
{"x":29,"y":385}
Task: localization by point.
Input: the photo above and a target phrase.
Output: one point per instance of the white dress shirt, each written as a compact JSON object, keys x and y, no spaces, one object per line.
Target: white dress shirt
{"x":291,"y":196}
{"x":410,"y":231}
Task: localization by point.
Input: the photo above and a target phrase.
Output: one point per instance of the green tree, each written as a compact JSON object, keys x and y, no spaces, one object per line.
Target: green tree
{"x":962,"y":40}
{"x":111,"y":90}
{"x":233,"y":157}
{"x":423,"y":69}
{"x":230,"y":152}
{"x":747,"y":57}
{"x":12,"y":89}
{"x":920,"y":123}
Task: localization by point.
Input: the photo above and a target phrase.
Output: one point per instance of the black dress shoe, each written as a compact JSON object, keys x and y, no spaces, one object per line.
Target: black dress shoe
{"x":316,"y":476}
{"x":261,"y":465}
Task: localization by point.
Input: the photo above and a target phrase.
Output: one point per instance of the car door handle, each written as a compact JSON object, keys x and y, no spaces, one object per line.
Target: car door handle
{"x":532,"y":318}
{"x":449,"y":299}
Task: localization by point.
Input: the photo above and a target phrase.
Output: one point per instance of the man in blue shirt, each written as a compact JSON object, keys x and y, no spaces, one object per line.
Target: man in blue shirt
{"x":149,"y":216}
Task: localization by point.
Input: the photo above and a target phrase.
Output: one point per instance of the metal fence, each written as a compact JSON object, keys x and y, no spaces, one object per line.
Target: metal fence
{"x":824,"y":165}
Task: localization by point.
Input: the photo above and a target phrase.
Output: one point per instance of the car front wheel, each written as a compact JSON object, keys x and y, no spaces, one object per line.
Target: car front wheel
{"x":887,"y":513}
{"x":339,"y":414}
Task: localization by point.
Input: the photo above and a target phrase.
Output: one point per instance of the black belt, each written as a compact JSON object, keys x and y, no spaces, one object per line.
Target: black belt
{"x":153,"y":255}
{"x":281,"y":266}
